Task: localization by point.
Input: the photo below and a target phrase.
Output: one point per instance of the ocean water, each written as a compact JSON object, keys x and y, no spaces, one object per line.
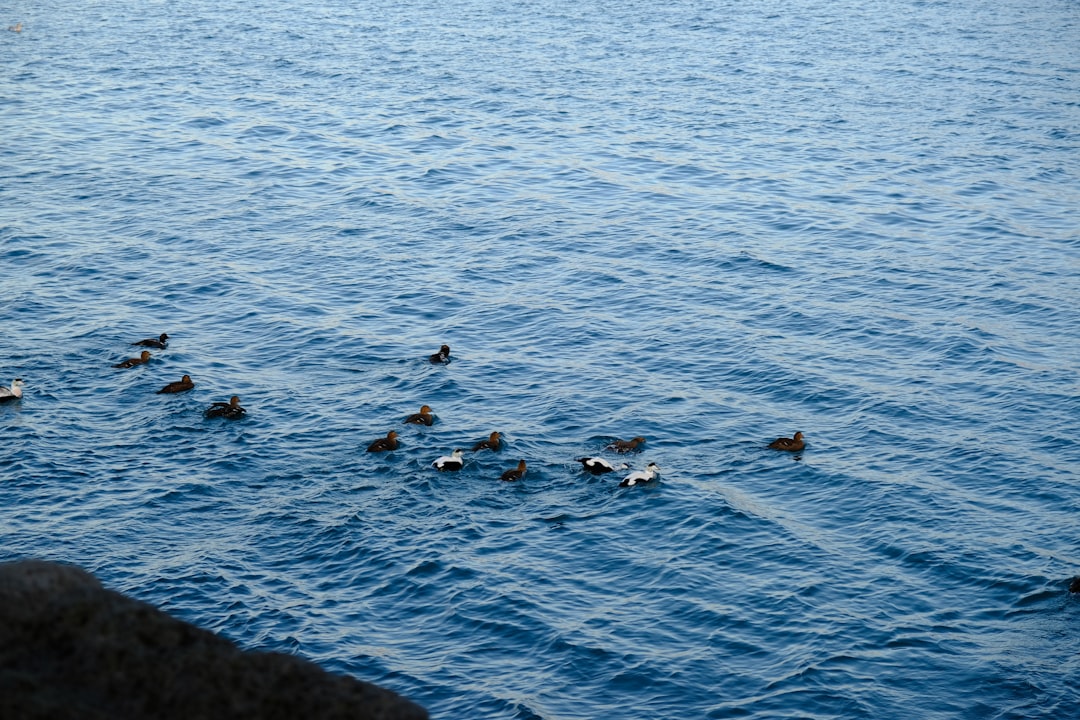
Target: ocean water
{"x":706,"y":223}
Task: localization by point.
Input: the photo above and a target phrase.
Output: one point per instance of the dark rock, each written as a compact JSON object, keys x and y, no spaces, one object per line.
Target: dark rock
{"x":72,"y":650}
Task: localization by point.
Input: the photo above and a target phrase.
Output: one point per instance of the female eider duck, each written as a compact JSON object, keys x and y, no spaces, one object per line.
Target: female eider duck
{"x":625,"y":446}
{"x":641,"y":476}
{"x":599,"y":466}
{"x":14,"y":392}
{"x":144,"y":356}
{"x":515,"y":474}
{"x":160,"y":342}
{"x":443,"y":356}
{"x":791,"y":444}
{"x":492,"y":443}
{"x":182,"y":385}
{"x":452,"y":461}
{"x":230,"y":410}
{"x":384,"y":444}
{"x":424,"y":417}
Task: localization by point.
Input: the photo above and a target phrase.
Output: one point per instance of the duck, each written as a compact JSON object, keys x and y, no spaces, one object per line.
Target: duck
{"x":791,"y":444}
{"x":160,"y":342}
{"x":384,"y":444}
{"x":17,"y":27}
{"x":514,"y":474}
{"x":443,"y":356}
{"x":1074,"y":586}
{"x":492,"y":443}
{"x":625,"y":446}
{"x":599,"y":466}
{"x":14,"y":392}
{"x":641,"y":476}
{"x":230,"y":410}
{"x":424,"y":417}
{"x":132,"y":362}
{"x":182,"y":385}
{"x":452,"y":461}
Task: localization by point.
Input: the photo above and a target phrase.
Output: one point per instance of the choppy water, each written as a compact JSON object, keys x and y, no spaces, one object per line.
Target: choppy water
{"x":708,"y":223}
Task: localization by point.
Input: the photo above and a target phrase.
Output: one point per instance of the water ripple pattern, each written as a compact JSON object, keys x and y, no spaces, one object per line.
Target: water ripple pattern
{"x":710,"y":224}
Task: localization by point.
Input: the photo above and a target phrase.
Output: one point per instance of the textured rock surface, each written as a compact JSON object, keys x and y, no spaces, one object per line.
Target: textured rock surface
{"x":70,"y":648}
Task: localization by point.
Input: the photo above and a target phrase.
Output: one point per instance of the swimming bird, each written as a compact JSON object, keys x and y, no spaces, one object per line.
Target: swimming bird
{"x":452,"y":461}
{"x":1074,"y":586}
{"x":791,"y":444}
{"x":14,"y":392}
{"x":383,"y":444}
{"x":515,"y":474}
{"x":424,"y":417}
{"x":17,"y":27}
{"x":443,"y":356}
{"x":160,"y":342}
{"x":492,"y":443}
{"x":182,"y":385}
{"x":230,"y":410}
{"x":641,"y":476}
{"x":132,"y":362}
{"x":599,"y":466}
{"x":625,"y":446}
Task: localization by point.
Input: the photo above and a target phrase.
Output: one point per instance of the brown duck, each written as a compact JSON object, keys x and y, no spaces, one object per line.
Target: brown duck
{"x":182,"y":385}
{"x":625,"y":446}
{"x":791,"y":444}
{"x":492,"y":443}
{"x":383,"y":444}
{"x":424,"y":417}
{"x":132,"y":362}
{"x":515,"y":474}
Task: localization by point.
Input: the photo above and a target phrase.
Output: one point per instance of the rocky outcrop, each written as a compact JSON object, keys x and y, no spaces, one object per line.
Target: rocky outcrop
{"x":72,"y":650}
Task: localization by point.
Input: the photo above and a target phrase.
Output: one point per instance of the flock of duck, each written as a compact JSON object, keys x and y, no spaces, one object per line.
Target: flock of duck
{"x":595,"y":465}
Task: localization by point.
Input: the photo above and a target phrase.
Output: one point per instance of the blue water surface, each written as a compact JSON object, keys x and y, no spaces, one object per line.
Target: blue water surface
{"x":705,"y":223}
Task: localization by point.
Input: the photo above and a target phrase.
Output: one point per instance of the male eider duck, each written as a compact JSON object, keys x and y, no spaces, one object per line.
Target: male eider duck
{"x":791,"y":444}
{"x":599,"y":466}
{"x":452,"y":461}
{"x":384,"y":444}
{"x":160,"y":342}
{"x":515,"y":474}
{"x":424,"y":417}
{"x":230,"y":410}
{"x":641,"y":476}
{"x":625,"y":446}
{"x":182,"y":385}
{"x":132,"y":362}
{"x":14,"y":392}
{"x":443,"y":356}
{"x":492,"y":443}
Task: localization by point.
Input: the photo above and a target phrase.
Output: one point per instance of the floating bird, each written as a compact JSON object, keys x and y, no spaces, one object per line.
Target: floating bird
{"x":182,"y":385}
{"x":492,"y":443}
{"x":599,"y":466}
{"x":160,"y":342}
{"x":791,"y":444}
{"x":515,"y":474}
{"x":1074,"y":586}
{"x":132,"y":362}
{"x":443,"y":356}
{"x":17,"y":27}
{"x":452,"y":461}
{"x":14,"y":392}
{"x":625,"y":446}
{"x":230,"y":410}
{"x":383,"y":444}
{"x":641,"y":476}
{"x":424,"y":417}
